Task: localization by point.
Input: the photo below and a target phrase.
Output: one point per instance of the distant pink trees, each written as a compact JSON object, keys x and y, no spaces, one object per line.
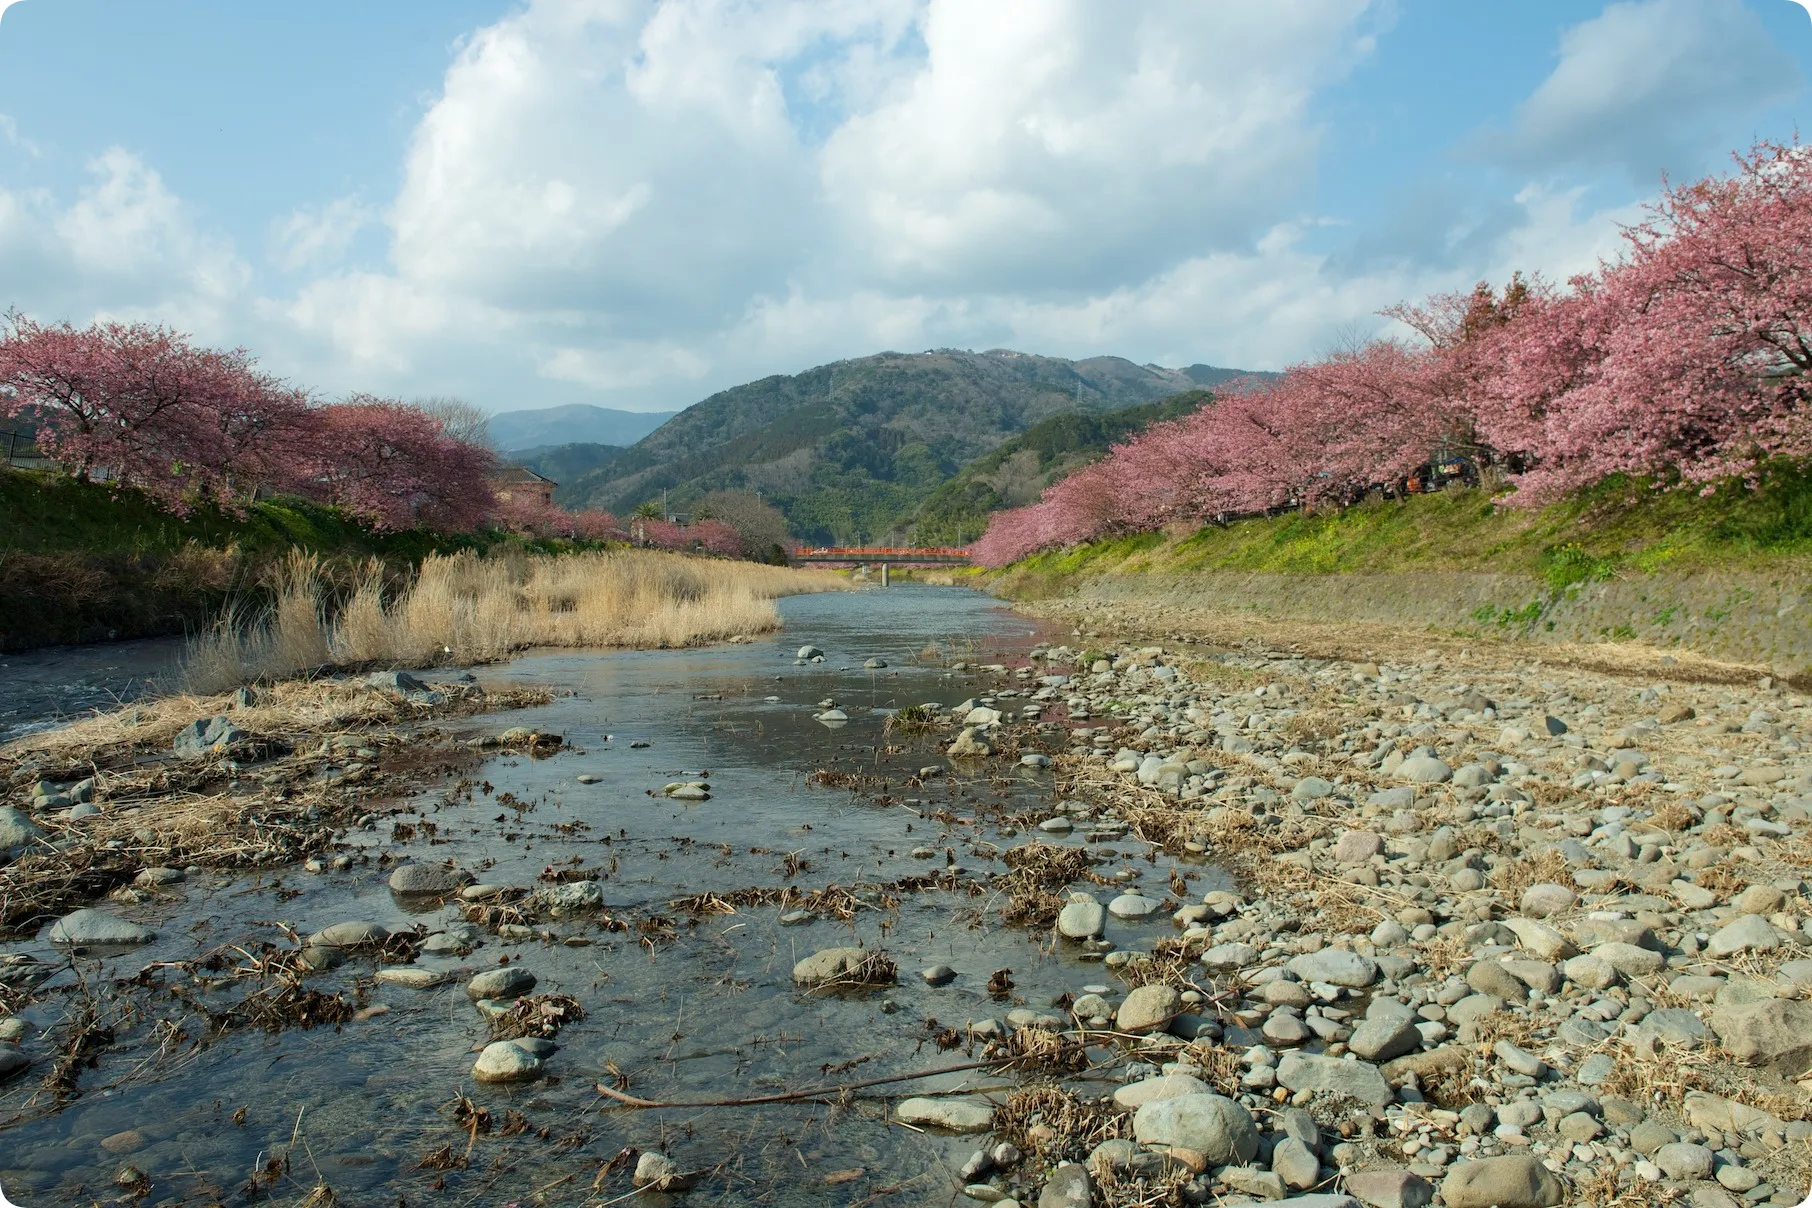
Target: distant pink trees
{"x":396,"y":466}
{"x":528,"y":513}
{"x":1685,"y":363}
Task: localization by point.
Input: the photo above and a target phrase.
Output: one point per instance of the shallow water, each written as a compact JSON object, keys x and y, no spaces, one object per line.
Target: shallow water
{"x":41,"y":687}
{"x":710,"y":1012}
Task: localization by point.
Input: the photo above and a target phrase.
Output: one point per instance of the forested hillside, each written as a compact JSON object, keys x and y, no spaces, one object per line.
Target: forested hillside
{"x":849,"y":451}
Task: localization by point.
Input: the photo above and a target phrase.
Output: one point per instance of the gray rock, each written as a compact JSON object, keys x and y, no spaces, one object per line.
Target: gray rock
{"x":1133,"y":906}
{"x":1212,"y":1125}
{"x":506,"y":1061}
{"x":97,"y":928}
{"x":1390,"y":1188}
{"x":1295,"y":1163}
{"x":1148,"y":1009}
{"x":828,"y":965}
{"x":1648,"y":1137}
{"x":1383,"y":1039}
{"x":810,"y":652}
{"x":428,"y":879}
{"x":207,"y":736}
{"x":1682,"y":1160}
{"x":1544,"y":899}
{"x":1776,"y":1032}
{"x":348,"y":935}
{"x":1166,"y":1086}
{"x":1081,"y":920}
{"x":1263,"y":1184}
{"x":512,"y":981}
{"x":656,"y":1171}
{"x":954,"y":1115}
{"x":18,"y":833}
{"x":1749,"y":933}
{"x":570,"y":896}
{"x":1311,"y":788}
{"x":1336,"y":967}
{"x":1672,"y":1025}
{"x":938,"y":975}
{"x":1516,"y":1181}
{"x":1424,"y":769}
{"x":1627,"y":959}
{"x":1357,"y":846}
{"x":1359,"y":1080}
{"x":1068,"y":1187}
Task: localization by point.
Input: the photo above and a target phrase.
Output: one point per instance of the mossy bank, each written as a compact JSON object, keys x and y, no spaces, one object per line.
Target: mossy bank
{"x":1729,"y":574}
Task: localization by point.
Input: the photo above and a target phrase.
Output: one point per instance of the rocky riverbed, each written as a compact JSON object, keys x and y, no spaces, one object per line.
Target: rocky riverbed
{"x":900,"y":916}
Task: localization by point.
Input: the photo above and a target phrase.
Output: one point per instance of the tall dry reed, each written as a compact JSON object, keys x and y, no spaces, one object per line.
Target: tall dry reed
{"x":465,"y":608}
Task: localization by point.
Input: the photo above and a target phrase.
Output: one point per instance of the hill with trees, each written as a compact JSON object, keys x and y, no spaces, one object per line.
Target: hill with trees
{"x":849,"y":451}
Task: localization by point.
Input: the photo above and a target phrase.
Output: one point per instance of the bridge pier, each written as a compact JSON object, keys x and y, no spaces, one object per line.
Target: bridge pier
{"x":883,"y":574}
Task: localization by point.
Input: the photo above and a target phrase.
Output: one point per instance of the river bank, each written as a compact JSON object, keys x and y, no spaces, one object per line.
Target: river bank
{"x":1221,"y":925}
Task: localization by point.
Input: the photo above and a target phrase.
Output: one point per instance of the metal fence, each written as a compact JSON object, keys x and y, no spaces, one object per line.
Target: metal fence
{"x":22,"y":451}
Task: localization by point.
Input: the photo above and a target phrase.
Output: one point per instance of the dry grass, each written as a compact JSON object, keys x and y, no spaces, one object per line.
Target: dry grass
{"x":464,"y":608}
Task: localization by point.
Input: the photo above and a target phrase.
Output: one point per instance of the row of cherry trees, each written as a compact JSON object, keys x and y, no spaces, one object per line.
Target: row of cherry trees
{"x":145,"y":407}
{"x":1684,"y":362}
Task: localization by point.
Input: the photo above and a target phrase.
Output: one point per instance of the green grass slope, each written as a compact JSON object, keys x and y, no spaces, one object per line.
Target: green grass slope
{"x":1618,"y":528}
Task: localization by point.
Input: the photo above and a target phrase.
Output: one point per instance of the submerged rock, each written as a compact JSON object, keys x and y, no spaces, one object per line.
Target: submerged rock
{"x":428,"y":878}
{"x":506,"y":1061}
{"x":954,"y":1115}
{"x":97,"y":927}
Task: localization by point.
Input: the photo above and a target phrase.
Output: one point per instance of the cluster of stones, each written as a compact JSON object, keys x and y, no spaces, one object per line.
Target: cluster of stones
{"x":1670,"y":922}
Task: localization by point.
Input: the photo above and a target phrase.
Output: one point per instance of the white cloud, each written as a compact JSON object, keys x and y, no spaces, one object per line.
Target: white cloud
{"x":310,"y":237}
{"x":126,"y":247}
{"x":1650,"y":83}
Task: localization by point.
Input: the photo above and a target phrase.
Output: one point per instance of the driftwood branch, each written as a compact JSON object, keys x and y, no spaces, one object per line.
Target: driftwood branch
{"x":629,"y":1100}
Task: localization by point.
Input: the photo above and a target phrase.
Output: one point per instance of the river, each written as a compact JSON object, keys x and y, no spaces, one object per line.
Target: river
{"x":704,"y":1009}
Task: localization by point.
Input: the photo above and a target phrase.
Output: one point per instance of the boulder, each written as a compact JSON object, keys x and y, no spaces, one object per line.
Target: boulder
{"x":348,"y":935}
{"x":18,"y":833}
{"x":1516,"y":1181}
{"x":953,"y":1115}
{"x":1747,"y":933}
{"x":1165,"y":1086}
{"x":1358,"y":1080}
{"x":1357,"y":846}
{"x":506,"y":1061}
{"x":1424,"y":769}
{"x":1390,"y":1189}
{"x":428,"y":879}
{"x":1068,"y":1187}
{"x":829,"y":965}
{"x":1212,"y":1125}
{"x":98,"y":928}
{"x":1776,"y":1032}
{"x":1336,"y":967}
{"x":969,"y":745}
{"x":511,"y":981}
{"x":208,"y":736}
{"x":1148,"y":1009}
{"x":1083,"y":919}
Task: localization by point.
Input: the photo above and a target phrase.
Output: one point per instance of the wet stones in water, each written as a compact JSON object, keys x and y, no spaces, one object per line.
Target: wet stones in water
{"x":410,"y":978}
{"x":938,"y":975}
{"x":874,"y":664}
{"x":831,"y":717}
{"x":349,"y":935}
{"x":1034,"y":761}
{"x":152,"y":878}
{"x":953,"y":1115}
{"x":207,"y":736}
{"x":810,"y":652}
{"x":1082,"y":918}
{"x":690,"y":790}
{"x":656,"y":1172}
{"x":797,"y":918}
{"x":505,"y":983}
{"x":1056,"y":826}
{"x":969,"y":745}
{"x":457,"y":940}
{"x":506,"y":1061}
{"x":98,"y":928}
{"x":12,"y":1060}
{"x":1148,"y":1009}
{"x":18,"y":833}
{"x":844,"y":966}
{"x":587,"y":778}
{"x":1133,"y":906}
{"x":428,"y":879}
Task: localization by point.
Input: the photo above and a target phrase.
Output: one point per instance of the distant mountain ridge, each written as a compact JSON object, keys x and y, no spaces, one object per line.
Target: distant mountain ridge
{"x":575,"y":423}
{"x":849,"y":450}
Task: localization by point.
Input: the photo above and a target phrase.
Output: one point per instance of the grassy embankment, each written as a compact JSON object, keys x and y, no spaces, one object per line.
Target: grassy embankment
{"x":82,"y":563}
{"x":1618,"y":562}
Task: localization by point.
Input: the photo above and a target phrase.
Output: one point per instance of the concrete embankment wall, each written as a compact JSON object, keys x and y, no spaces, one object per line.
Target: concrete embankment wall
{"x":1731,"y":615}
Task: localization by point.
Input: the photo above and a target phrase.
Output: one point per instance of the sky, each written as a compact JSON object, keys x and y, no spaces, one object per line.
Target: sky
{"x":635,"y":203}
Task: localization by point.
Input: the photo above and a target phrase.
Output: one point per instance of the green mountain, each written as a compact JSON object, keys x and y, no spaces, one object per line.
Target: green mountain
{"x":564,"y":463}
{"x":1016,"y":472}
{"x":849,"y":451}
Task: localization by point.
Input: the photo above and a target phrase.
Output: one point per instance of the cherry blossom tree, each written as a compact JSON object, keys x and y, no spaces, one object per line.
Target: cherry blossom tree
{"x":396,"y":467}
{"x":142,"y":405}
